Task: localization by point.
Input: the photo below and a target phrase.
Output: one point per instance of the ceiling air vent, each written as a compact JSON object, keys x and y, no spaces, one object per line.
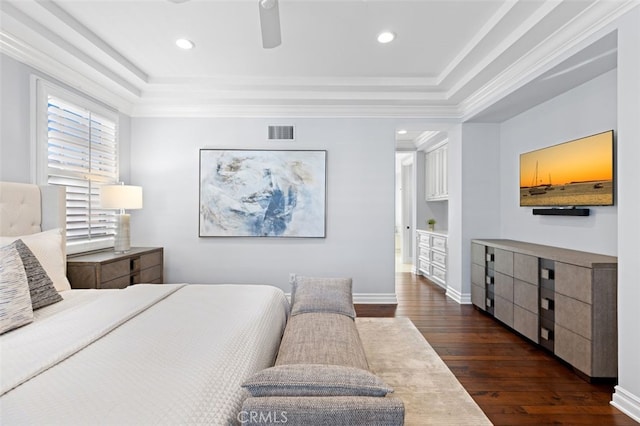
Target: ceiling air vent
{"x":281,"y":133}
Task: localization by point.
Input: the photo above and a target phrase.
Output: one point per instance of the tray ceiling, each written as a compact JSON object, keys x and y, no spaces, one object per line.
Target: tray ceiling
{"x":450,"y":58}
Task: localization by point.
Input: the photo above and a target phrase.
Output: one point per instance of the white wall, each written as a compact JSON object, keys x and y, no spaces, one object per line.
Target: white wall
{"x":627,"y":394}
{"x":474,"y":199}
{"x":14,"y":121}
{"x":587,"y":109}
{"x":360,"y":202}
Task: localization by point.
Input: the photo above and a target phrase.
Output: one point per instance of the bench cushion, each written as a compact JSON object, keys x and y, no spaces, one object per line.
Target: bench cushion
{"x":321,"y":338}
{"x":315,"y":380}
{"x":323,"y":410}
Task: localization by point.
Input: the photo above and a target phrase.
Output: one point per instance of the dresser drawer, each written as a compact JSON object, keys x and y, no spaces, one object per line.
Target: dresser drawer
{"x":573,"y":281}
{"x":504,"y":286}
{"x":151,"y":274}
{"x":112,"y":270}
{"x":439,"y":242}
{"x":477,"y":254}
{"x":424,"y":240}
{"x":423,"y":252}
{"x":574,"y":349}
{"x":503,"y":310}
{"x":525,"y":295}
{"x":424,"y":266}
{"x":504,"y":261}
{"x":439,"y":258}
{"x":477,"y":275}
{"x":525,"y":268}
{"x":120,"y":282}
{"x":438,"y":273}
{"x":150,"y":259}
{"x":478,"y":296}
{"x":573,"y":315}
{"x":525,"y":323}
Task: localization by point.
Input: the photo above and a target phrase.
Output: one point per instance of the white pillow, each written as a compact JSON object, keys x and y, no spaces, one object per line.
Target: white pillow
{"x":47,"y":248}
{"x":15,"y":301}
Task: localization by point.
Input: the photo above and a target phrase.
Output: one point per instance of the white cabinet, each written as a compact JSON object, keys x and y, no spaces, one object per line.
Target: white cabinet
{"x":436,"y":174}
{"x":432,"y":256}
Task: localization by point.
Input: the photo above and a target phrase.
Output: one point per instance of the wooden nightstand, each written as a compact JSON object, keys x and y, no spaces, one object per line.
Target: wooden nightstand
{"x":107,"y":269}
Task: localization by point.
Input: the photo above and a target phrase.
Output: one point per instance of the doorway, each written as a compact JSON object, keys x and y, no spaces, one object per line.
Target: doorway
{"x":404,"y":211}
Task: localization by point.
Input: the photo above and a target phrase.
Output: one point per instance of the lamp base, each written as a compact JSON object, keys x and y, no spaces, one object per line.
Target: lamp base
{"x":122,"y":243}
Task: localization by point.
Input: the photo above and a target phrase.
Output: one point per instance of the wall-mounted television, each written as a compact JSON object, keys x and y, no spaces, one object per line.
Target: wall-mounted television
{"x":574,"y":173}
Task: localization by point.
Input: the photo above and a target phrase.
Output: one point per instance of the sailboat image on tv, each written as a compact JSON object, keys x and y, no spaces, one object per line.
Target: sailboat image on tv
{"x":536,"y":189}
{"x":582,"y":171}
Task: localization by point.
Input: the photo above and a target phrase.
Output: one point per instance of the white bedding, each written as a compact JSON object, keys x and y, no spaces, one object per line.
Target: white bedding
{"x":168,"y":354}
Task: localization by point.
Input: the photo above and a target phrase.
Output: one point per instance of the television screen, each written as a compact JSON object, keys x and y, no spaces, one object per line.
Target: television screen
{"x":575,"y":173}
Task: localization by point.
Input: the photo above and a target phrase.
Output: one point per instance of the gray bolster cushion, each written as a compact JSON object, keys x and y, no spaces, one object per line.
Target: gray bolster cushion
{"x":318,"y":338}
{"x":315,"y":380}
{"x":323,"y":410}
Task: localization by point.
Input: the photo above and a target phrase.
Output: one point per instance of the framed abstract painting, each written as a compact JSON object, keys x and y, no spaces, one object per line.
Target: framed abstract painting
{"x":262,"y":193}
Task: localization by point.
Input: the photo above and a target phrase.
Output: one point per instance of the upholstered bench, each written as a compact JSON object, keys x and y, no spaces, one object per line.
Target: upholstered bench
{"x":321,"y":375}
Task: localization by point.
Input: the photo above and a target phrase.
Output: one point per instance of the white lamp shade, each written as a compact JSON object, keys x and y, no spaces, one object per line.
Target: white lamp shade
{"x":121,"y":197}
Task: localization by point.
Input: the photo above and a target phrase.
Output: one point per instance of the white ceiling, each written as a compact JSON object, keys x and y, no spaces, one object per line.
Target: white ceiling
{"x":450,"y":60}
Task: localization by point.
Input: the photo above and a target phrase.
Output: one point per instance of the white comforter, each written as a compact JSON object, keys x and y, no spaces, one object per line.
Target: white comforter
{"x":169,"y":354}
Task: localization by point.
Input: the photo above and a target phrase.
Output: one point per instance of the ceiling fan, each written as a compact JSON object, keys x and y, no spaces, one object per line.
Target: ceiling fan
{"x":270,"y":23}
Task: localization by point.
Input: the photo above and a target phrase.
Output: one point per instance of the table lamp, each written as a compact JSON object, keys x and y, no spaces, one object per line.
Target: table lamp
{"x":121,"y":197}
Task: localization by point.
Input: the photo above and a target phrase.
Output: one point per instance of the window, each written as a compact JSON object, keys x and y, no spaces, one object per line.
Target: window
{"x":77,"y":147}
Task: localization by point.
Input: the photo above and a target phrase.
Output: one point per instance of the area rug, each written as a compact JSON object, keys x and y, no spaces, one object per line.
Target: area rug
{"x":401,"y":356}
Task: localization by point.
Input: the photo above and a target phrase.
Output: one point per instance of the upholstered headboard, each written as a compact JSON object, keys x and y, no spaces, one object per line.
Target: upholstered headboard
{"x":28,"y":209}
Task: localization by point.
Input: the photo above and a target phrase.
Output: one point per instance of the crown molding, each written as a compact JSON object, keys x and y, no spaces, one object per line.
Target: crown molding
{"x":296,"y":111}
{"x":594,"y":22}
{"x":75,"y":77}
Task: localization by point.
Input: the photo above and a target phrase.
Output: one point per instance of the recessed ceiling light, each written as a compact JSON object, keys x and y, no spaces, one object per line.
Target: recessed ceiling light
{"x":402,"y":132}
{"x":386,"y":37}
{"x":185,"y":44}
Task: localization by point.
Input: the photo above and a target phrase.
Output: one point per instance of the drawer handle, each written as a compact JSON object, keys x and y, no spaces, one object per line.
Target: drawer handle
{"x":489,"y":257}
{"x":489,"y":279}
{"x":489,"y":303}
{"x":546,"y":304}
{"x":546,"y":334}
{"x":546,"y":274}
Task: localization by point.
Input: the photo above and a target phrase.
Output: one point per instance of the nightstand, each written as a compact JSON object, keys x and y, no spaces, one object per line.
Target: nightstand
{"x":106,"y":269}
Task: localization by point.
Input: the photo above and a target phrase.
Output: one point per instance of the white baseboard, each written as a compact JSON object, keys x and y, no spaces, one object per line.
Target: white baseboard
{"x":461,"y":298}
{"x":626,"y":402}
{"x":370,"y":298}
{"x":375,"y":298}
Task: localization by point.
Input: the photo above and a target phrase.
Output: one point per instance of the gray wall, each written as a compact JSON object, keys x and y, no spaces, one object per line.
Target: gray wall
{"x":585,"y":110}
{"x":359,"y":239}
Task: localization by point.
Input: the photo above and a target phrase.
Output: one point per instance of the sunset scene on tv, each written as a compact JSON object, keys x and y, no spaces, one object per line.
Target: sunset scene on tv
{"x":576,"y":173}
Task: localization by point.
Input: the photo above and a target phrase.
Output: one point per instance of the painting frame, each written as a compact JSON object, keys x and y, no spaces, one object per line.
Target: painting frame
{"x":263,"y":193}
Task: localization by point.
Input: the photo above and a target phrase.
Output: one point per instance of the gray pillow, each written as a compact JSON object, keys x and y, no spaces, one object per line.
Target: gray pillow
{"x":41,"y":288}
{"x":15,"y":309}
{"x":315,"y":380}
{"x":317,"y":294}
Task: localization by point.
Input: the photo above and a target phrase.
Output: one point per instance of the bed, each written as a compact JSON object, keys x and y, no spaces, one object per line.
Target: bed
{"x":148,"y":354}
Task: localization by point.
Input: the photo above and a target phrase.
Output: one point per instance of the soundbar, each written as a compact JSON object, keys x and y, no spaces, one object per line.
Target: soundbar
{"x":562,"y":212}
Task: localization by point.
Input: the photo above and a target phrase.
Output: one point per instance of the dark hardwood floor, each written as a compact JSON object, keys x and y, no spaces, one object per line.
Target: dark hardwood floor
{"x":513,"y":381}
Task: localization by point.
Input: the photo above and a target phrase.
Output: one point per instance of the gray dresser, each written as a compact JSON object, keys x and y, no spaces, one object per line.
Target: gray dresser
{"x":563,"y":300}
